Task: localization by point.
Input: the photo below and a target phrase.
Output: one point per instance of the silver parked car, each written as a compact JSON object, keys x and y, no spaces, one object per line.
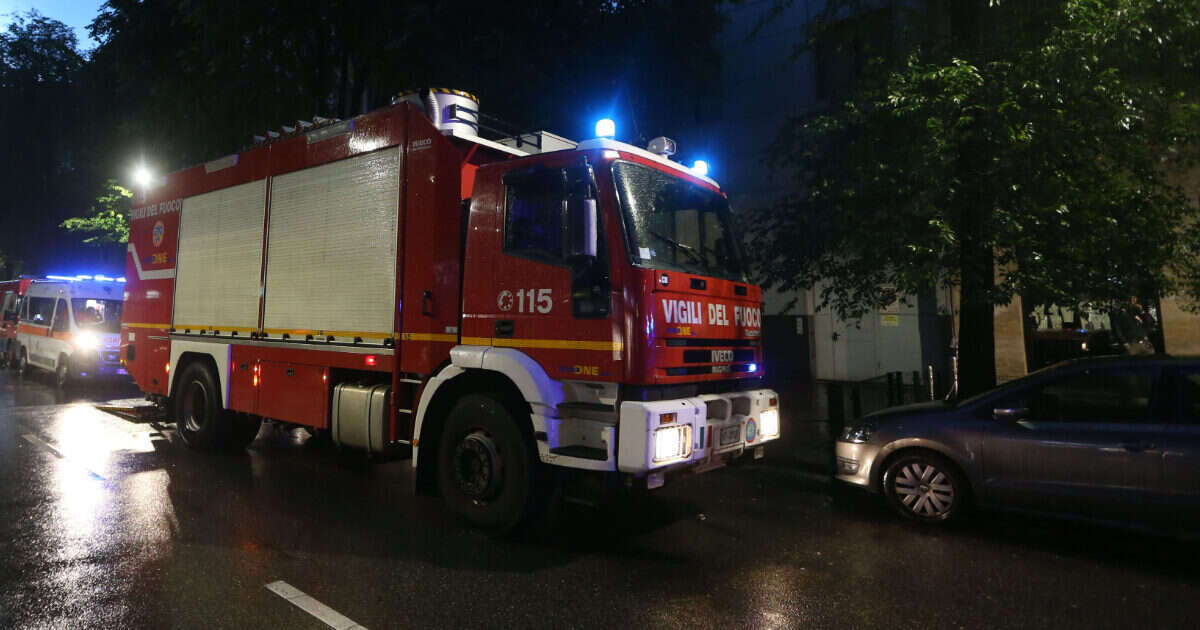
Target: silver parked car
{"x":1111,"y":439}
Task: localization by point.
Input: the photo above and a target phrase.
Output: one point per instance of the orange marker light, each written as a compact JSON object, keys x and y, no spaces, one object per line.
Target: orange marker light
{"x":167,"y":368}
{"x":666,"y":418}
{"x":370,"y":360}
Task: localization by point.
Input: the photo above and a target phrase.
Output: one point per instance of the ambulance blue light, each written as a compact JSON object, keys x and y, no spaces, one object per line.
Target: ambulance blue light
{"x":606,"y":128}
{"x":102,"y":278}
{"x":52,"y":277}
{"x":700,"y":167}
{"x":121,"y":279}
{"x":83,"y":277}
{"x":753,"y":367}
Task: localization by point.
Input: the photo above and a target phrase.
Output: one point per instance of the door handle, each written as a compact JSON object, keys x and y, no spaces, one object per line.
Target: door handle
{"x":1137,"y":447}
{"x":427,"y":303}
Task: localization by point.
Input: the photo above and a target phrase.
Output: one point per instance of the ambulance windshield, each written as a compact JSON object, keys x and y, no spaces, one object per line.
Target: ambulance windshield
{"x":97,"y":314}
{"x":675,"y":224}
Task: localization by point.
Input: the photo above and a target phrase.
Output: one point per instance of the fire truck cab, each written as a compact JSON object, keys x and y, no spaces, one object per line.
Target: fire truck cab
{"x":71,"y":328}
{"x":11,"y":292}
{"x":492,"y":307}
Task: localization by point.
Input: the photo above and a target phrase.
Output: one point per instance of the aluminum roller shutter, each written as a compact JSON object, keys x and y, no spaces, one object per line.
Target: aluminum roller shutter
{"x":220,"y":258}
{"x":331,"y":252}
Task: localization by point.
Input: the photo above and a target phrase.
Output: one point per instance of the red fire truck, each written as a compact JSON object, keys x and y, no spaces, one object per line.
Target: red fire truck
{"x":11,"y":292}
{"x":491,"y":307}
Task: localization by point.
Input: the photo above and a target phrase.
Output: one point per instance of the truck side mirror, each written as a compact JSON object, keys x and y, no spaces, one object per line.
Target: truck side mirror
{"x":582,"y":233}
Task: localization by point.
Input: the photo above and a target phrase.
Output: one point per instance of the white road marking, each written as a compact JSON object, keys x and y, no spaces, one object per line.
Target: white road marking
{"x":298,"y":598}
{"x":39,"y":442}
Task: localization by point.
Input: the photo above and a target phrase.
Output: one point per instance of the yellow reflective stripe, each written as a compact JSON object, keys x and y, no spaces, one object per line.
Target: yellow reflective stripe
{"x":328,"y":333}
{"x":222,"y":328}
{"x":135,"y":325}
{"x":428,"y":337}
{"x":550,"y":344}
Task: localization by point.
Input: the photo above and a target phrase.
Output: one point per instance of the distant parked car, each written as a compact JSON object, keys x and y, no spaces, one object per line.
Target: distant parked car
{"x":1111,"y":439}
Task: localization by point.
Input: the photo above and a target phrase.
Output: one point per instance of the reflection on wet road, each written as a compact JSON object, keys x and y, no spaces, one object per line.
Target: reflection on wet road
{"x":110,"y":523}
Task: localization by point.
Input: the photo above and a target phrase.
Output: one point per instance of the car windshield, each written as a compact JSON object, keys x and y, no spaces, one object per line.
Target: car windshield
{"x":97,"y":314}
{"x":675,"y":224}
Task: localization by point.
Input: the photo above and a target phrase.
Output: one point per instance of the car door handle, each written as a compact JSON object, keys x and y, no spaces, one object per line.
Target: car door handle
{"x":1137,"y":447}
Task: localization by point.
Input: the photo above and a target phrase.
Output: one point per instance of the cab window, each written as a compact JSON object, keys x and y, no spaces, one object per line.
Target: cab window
{"x":535,"y":206}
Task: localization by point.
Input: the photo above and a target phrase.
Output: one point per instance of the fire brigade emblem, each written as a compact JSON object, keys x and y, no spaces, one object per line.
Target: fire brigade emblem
{"x":505,"y":300}
{"x":159,"y":229}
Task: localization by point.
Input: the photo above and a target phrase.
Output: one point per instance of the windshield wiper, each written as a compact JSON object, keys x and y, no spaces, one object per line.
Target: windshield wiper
{"x":687,"y":249}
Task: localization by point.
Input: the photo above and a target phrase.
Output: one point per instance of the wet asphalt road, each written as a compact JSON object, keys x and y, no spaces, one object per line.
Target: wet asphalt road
{"x":106,"y":523}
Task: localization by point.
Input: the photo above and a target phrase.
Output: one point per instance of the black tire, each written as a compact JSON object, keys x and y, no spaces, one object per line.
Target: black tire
{"x":487,"y":466}
{"x":925,"y":487}
{"x":23,"y":363}
{"x":62,"y":373}
{"x":245,"y":428}
{"x":199,"y":417}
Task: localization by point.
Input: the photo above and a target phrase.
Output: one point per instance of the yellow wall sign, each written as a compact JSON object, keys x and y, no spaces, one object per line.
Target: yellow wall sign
{"x":891,"y":321}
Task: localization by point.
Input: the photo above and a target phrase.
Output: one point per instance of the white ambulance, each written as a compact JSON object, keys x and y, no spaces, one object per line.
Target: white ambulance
{"x":71,"y":327}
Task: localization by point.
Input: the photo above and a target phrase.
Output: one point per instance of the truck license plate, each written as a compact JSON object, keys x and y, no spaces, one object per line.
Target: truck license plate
{"x":729,"y":435}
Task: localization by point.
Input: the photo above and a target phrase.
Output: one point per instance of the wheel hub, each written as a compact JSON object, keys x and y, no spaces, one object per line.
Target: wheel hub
{"x":194,"y":407}
{"x":477,"y":466}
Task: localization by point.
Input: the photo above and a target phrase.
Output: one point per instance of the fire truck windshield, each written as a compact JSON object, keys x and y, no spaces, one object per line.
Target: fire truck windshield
{"x":674,"y":224}
{"x":96,"y":314}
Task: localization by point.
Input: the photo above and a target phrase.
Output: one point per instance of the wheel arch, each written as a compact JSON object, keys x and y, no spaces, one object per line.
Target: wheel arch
{"x":906,"y":447}
{"x":517,"y":382}
{"x":218,"y":356}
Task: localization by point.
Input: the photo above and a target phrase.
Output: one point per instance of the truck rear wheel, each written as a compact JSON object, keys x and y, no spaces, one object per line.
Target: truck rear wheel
{"x":23,"y":363}
{"x":486,"y":465}
{"x":200,"y":419}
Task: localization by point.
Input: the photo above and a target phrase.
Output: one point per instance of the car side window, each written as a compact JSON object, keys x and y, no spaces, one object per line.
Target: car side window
{"x":1096,"y":395}
{"x":1189,"y":383}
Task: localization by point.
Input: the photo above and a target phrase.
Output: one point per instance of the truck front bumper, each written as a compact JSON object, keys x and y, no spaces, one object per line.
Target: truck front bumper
{"x":661,"y":435}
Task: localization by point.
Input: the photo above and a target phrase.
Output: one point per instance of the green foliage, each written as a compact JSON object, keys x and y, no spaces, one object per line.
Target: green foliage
{"x":107,"y":221}
{"x":1052,"y":152}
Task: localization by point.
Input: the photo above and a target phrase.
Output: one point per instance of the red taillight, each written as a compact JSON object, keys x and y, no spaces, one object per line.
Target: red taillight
{"x":370,"y":360}
{"x":666,"y":418}
{"x":774,"y":402}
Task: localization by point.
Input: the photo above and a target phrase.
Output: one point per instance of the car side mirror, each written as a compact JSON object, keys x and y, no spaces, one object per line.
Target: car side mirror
{"x":1010,"y":414}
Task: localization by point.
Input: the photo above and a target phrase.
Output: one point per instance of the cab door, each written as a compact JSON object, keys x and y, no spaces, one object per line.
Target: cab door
{"x":545,"y":298}
{"x":59,"y":340}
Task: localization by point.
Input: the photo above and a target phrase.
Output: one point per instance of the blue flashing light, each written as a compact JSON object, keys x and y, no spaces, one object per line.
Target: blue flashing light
{"x":700,"y":167}
{"x":52,"y":277}
{"x":606,"y":128}
{"x":103,"y":278}
{"x":121,"y":279}
{"x":83,"y":277}
{"x":753,"y":367}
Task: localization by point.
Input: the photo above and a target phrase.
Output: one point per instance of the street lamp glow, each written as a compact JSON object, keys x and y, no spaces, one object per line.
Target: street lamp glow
{"x":606,"y":128}
{"x":141,"y":176}
{"x":700,"y":167}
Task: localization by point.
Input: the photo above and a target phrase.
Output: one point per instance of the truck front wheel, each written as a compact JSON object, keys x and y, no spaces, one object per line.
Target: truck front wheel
{"x":486,"y":465}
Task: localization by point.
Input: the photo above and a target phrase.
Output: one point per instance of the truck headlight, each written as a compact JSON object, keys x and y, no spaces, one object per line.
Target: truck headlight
{"x":87,"y":341}
{"x":768,"y":423}
{"x":858,"y":434}
{"x":671,"y":443}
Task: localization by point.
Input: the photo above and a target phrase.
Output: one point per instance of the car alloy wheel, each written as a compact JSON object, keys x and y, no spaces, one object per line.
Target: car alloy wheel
{"x":924,"y":490}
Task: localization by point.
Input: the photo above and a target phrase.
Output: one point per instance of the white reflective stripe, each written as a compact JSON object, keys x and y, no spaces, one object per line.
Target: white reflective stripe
{"x":153,"y":274}
{"x":299,"y":599}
